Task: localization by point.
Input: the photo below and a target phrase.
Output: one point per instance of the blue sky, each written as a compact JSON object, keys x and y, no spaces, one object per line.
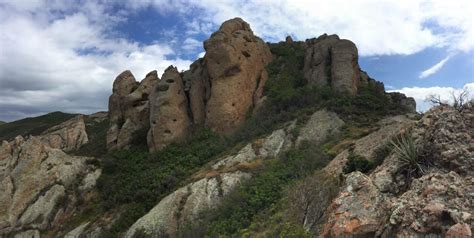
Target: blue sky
{"x":64,"y":55}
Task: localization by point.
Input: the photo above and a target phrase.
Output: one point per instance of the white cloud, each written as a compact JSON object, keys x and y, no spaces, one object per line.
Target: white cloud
{"x":191,"y":44}
{"x":433,"y":69}
{"x":67,"y":61}
{"x":377,"y":27}
{"x":421,"y":93}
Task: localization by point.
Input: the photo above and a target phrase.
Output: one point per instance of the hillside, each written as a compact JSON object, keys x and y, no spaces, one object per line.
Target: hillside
{"x":288,"y":139}
{"x":33,"y":125}
{"x":2,"y":122}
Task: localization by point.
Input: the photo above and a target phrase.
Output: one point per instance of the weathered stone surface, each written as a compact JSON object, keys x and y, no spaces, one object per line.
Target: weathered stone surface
{"x":169,"y":118}
{"x":437,"y":204}
{"x":330,"y":61}
{"x":407,"y":104}
{"x":447,"y":136}
{"x":279,"y":141}
{"x":433,"y":204}
{"x":28,"y":234}
{"x":320,"y":127}
{"x":366,"y":146}
{"x":69,"y":135}
{"x":34,"y":181}
{"x":129,"y":109}
{"x":235,"y":60}
{"x":460,"y":230}
{"x":345,"y":72}
{"x":185,"y":204}
{"x":78,"y":231}
{"x":359,"y":210}
{"x":197,"y":84}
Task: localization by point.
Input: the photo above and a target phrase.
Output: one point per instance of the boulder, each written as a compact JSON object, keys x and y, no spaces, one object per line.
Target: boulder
{"x":129,"y":109}
{"x":321,"y":125}
{"x":69,"y":135}
{"x":368,"y":145}
{"x":235,"y":61}
{"x":358,"y":211}
{"x":169,"y":119}
{"x":183,"y":206}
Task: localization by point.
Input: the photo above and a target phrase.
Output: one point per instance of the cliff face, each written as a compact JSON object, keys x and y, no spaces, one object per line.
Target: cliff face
{"x":220,"y":90}
{"x":217,"y":91}
{"x":40,"y":185}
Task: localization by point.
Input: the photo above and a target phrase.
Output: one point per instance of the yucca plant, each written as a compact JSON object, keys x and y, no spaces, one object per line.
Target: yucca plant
{"x":408,"y":154}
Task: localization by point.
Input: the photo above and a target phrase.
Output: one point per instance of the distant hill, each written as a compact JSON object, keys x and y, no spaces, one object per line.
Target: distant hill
{"x":2,"y":122}
{"x":32,"y":125}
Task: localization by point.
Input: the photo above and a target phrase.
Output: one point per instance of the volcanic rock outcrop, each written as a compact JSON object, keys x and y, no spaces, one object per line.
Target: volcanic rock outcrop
{"x":330,"y":61}
{"x":169,"y":118}
{"x":235,"y":60}
{"x":217,"y":91}
{"x":69,"y":135}
{"x":129,"y":109}
{"x":39,"y":185}
{"x":389,"y":202}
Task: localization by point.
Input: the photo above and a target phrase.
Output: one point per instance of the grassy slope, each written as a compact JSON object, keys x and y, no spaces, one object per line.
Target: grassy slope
{"x":32,"y":125}
{"x":2,"y":122}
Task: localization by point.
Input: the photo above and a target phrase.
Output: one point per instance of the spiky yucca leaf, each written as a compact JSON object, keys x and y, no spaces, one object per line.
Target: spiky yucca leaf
{"x":407,"y":152}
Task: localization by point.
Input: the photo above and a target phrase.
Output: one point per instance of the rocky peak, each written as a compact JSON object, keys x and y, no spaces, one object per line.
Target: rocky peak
{"x":235,"y":62}
{"x":69,"y":135}
{"x":129,"y":109}
{"x":330,"y":61}
{"x":124,"y":83}
{"x":169,"y":119}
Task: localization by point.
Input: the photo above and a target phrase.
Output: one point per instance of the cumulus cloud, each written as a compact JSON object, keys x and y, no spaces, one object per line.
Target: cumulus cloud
{"x":377,"y":27}
{"x":433,"y":69}
{"x":63,"y":55}
{"x":421,"y":93}
{"x":60,"y":57}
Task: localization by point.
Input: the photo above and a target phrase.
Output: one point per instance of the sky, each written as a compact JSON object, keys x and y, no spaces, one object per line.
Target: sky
{"x":64,"y":55}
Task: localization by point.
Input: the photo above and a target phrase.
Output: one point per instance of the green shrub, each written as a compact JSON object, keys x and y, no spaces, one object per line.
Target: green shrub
{"x":264,"y":190}
{"x":357,"y":163}
{"x":137,"y":177}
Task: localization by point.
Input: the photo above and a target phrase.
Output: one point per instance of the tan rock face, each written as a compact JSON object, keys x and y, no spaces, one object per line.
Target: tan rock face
{"x":330,"y":61}
{"x":69,"y":135}
{"x":439,"y":203}
{"x":199,"y":89}
{"x":169,"y":118}
{"x":235,"y":61}
{"x":129,"y":109}
{"x":36,"y":184}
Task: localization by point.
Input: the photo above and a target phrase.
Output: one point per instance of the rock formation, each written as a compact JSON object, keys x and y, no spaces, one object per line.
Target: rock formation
{"x":129,"y":109}
{"x":69,"y":135}
{"x":198,"y":87}
{"x":235,"y":61}
{"x":386,"y":203}
{"x":218,"y":91}
{"x":185,"y":204}
{"x":169,"y":118}
{"x":330,"y":61}
{"x":37,"y":185}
